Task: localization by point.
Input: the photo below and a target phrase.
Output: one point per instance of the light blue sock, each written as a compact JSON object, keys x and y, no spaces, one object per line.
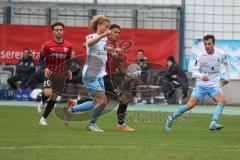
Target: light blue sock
{"x":180,"y":110}
{"x":86,"y":106}
{"x":217,"y":112}
{"x":96,"y":113}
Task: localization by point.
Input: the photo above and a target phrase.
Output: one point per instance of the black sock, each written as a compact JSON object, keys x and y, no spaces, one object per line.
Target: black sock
{"x":121,"y":113}
{"x":44,"y":98}
{"x":49,"y":107}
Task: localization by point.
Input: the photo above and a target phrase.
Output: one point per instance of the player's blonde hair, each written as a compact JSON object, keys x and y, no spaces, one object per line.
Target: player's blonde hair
{"x":99,"y":19}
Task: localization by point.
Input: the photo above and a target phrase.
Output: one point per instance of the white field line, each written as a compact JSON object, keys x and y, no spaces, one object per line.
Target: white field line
{"x":63,"y":147}
{"x":224,"y":148}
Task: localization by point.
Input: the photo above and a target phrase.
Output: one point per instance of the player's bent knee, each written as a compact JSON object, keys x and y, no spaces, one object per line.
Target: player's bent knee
{"x":100,"y":99}
{"x":47,"y":92}
{"x":192,"y":102}
{"x":123,"y":100}
{"x":102,"y":103}
{"x":220,"y":99}
{"x":54,"y":96}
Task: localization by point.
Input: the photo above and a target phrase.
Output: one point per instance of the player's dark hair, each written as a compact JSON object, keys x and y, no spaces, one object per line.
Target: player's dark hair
{"x":57,"y":24}
{"x":114,"y":26}
{"x":209,"y":36}
{"x":141,"y":50}
{"x":171,"y":59}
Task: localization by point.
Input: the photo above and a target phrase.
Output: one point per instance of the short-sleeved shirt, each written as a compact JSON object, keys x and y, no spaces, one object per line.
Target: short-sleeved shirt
{"x":210,"y":65}
{"x":55,"y":54}
{"x":95,"y":65}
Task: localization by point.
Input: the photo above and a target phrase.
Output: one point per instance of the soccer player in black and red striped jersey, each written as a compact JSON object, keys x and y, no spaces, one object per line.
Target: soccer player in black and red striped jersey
{"x":116,"y":71}
{"x":54,"y":53}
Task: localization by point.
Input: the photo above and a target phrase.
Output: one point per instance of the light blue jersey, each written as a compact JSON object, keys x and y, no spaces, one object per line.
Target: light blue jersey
{"x":96,"y":59}
{"x":211,"y":66}
{"x":95,"y":65}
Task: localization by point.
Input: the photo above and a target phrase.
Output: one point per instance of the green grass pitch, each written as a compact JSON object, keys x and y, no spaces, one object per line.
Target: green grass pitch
{"x":21,"y":138}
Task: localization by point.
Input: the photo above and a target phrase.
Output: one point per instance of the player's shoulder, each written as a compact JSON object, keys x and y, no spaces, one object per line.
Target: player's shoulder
{"x":91,"y":36}
{"x":67,"y":43}
{"x":48,"y":42}
{"x":201,"y":54}
{"x":219,"y":52}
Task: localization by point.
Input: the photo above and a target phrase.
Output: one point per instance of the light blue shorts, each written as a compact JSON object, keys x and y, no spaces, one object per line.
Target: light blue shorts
{"x":93,"y":85}
{"x":201,"y":91}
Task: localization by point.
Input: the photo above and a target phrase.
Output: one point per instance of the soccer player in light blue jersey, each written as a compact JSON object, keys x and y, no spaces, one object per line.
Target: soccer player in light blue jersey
{"x":207,"y":69}
{"x":93,"y":72}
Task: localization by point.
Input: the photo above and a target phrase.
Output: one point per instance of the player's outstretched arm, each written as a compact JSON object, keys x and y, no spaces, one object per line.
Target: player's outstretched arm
{"x":92,"y":41}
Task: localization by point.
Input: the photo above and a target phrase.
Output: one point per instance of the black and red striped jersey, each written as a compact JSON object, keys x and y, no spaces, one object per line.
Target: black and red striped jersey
{"x":112,"y":61}
{"x":56,"y":54}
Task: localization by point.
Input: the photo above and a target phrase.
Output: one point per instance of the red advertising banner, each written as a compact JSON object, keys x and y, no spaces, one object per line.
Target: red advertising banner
{"x":157,"y":44}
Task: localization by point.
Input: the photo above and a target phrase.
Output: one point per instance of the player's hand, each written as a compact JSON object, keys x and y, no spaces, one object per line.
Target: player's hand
{"x":119,"y":49}
{"x":114,"y":54}
{"x":224,"y":82}
{"x":205,"y":78}
{"x":106,"y":33}
{"x":115,"y":51}
{"x":70,"y":76}
{"x":47,"y":72}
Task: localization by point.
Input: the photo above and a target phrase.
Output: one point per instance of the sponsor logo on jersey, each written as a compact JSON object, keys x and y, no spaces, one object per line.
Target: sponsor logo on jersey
{"x":59,"y":55}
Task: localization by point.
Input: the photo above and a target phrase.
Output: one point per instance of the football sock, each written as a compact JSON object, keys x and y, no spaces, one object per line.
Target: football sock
{"x":121,"y":113}
{"x":180,"y":110}
{"x":96,"y":113}
{"x":44,"y":98}
{"x":217,"y":113}
{"x":86,"y":106}
{"x":49,"y":107}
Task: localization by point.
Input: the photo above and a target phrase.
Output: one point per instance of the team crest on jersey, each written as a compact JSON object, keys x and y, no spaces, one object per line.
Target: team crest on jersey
{"x":65,"y":49}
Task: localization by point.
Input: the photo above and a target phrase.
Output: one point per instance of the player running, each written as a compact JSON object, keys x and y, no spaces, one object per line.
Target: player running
{"x":207,"y":70}
{"x":115,"y":70}
{"x":93,"y":72}
{"x":54,"y":53}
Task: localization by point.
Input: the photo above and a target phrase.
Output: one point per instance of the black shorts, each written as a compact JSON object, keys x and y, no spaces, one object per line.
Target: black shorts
{"x":113,"y":83}
{"x":46,"y":83}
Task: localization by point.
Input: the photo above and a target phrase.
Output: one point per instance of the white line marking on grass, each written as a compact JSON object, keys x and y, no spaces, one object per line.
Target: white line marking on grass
{"x":231,"y":150}
{"x":223,"y":148}
{"x":63,"y":147}
{"x":202,"y":145}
